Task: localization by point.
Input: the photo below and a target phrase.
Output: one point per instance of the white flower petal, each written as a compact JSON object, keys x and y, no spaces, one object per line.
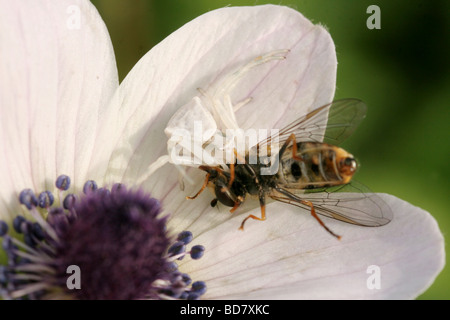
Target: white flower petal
{"x":58,"y":69}
{"x":198,"y":55}
{"x":290,"y":256}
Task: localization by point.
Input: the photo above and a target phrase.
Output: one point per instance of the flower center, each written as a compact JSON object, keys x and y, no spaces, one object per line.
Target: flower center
{"x":102,"y":244}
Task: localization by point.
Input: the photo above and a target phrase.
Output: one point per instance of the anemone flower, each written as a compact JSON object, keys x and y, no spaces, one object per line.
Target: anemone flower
{"x":74,"y":144}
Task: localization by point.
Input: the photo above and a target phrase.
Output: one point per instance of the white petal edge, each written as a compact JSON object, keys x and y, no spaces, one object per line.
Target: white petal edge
{"x":58,"y":75}
{"x":290,"y":256}
{"x":197,"y":55}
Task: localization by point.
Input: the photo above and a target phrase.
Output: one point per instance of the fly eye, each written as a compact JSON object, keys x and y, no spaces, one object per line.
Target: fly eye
{"x":350,"y":163}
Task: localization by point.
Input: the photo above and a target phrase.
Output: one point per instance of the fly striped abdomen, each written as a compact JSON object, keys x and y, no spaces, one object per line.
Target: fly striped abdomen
{"x":318,"y":165}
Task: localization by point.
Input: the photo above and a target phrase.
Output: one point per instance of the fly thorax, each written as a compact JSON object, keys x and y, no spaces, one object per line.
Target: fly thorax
{"x":248,"y":177}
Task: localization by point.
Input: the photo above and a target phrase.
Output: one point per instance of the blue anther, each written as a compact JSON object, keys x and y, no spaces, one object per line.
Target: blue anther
{"x":28,"y":198}
{"x":104,"y":191}
{"x":72,"y":216}
{"x":4,"y":279}
{"x":22,"y":261}
{"x":172,"y":267}
{"x":89,"y":186}
{"x":59,"y":221}
{"x":198,"y":287}
{"x":45,"y":199}
{"x":55,"y":212}
{"x":69,"y":201}
{"x":8,"y":245}
{"x":37,"y":231}
{"x":197,"y":252}
{"x":56,"y":216}
{"x":177,"y":248}
{"x":17,"y":222}
{"x":193,"y":296}
{"x":25,"y":227}
{"x":29,"y":241}
{"x":3,"y":228}
{"x":168,"y":292}
{"x":184,"y":295}
{"x":63,"y":182}
{"x":117,"y":187}
{"x":186,"y":279}
{"x":185,"y":237}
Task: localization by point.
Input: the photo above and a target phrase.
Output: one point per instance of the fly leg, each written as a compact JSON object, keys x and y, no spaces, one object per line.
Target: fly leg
{"x":237,"y":204}
{"x":205,"y":183}
{"x":209,"y":171}
{"x":230,"y":182}
{"x":262,"y":202}
{"x":293,"y":199}
{"x":314,"y":214}
{"x":292,"y":139}
{"x":232,"y":165}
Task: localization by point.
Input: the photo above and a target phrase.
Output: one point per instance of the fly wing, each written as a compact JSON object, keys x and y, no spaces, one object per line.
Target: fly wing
{"x":352,"y":203}
{"x":331,"y":123}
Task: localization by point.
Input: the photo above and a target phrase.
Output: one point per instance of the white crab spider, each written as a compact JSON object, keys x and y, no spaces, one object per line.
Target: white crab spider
{"x":215,"y":112}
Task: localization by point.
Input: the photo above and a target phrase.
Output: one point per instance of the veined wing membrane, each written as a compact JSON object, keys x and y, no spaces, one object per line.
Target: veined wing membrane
{"x":331,"y":123}
{"x":350,"y":203}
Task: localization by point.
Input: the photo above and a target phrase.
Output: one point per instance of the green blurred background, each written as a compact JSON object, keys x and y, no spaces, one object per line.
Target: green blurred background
{"x":401,"y":71}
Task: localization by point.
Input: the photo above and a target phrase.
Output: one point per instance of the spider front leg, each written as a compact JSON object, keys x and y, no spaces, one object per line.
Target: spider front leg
{"x":219,"y":95}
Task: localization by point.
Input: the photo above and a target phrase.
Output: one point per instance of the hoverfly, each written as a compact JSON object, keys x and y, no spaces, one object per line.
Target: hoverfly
{"x":312,"y":174}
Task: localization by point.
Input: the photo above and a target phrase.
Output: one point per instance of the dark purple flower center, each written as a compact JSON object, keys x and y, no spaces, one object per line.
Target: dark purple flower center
{"x":104,"y":244}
